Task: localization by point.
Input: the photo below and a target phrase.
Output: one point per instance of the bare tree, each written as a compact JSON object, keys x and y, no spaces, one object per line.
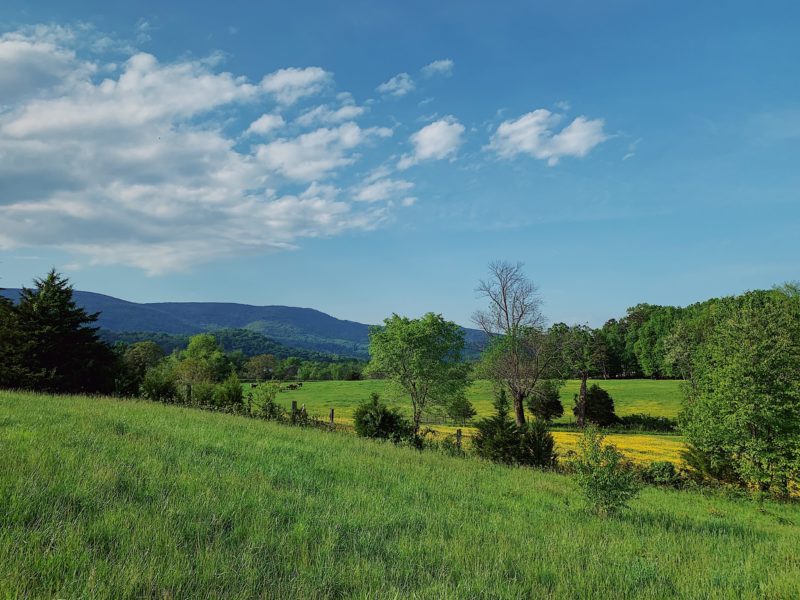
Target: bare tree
{"x":520,"y":352}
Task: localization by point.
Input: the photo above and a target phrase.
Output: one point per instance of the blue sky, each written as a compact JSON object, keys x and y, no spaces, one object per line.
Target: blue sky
{"x":366,"y":158}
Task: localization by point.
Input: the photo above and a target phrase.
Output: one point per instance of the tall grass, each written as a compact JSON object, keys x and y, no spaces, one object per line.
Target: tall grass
{"x":128,"y":499}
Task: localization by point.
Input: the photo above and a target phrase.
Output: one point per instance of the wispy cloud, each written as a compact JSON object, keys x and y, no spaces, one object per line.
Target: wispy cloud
{"x":443,"y":67}
{"x":399,"y":85}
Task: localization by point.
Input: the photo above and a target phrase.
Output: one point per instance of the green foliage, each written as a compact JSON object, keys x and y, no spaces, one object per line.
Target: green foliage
{"x":374,"y":419}
{"x":460,"y":410}
{"x":660,"y":473}
{"x":500,"y":439}
{"x":263,"y":398}
{"x":644,"y":422}
{"x":202,"y":393}
{"x":599,"y":408}
{"x":422,"y":358}
{"x":229,"y":392}
{"x":53,"y":345}
{"x":743,"y":405}
{"x":607,"y":481}
{"x":545,"y":400}
{"x":160,"y":384}
{"x":133,"y":363}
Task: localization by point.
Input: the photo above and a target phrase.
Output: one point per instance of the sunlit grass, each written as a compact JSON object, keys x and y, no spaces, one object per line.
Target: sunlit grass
{"x":103,"y":498}
{"x":657,"y":398}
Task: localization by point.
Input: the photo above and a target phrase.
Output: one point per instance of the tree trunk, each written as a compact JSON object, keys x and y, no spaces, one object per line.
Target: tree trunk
{"x":519,"y":409}
{"x":582,"y":400}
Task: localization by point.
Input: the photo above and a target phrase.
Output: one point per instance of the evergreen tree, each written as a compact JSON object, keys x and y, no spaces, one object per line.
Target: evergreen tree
{"x":497,"y":438}
{"x":59,"y":350}
{"x":599,"y":408}
{"x":10,"y":360}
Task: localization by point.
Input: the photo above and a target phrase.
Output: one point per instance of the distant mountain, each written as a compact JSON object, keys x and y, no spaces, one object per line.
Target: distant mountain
{"x":290,"y":326}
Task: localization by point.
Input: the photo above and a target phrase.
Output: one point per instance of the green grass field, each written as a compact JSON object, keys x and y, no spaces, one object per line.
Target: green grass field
{"x":658,"y":398}
{"x":103,"y":498}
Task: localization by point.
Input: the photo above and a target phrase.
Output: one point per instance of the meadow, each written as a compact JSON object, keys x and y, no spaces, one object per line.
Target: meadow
{"x":116,"y":498}
{"x":660,"y":398}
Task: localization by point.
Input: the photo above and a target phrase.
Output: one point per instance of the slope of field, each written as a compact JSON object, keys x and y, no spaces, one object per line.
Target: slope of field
{"x":123,"y":499}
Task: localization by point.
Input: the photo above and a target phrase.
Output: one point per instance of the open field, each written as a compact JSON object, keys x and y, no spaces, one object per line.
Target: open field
{"x":124,"y":499}
{"x":658,"y":398}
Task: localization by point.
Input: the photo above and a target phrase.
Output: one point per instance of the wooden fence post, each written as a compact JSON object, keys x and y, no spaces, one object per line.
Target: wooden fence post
{"x":331,"y":418}
{"x":458,"y":437}
{"x":294,"y":408}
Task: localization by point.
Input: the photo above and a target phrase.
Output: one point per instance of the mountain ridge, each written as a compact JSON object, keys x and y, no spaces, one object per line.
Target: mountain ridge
{"x":299,"y":327}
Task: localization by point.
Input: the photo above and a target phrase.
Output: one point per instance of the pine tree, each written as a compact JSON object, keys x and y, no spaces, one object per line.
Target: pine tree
{"x":59,"y":349}
{"x":498,"y":438}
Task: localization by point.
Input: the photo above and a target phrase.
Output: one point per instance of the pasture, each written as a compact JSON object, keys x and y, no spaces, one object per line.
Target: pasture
{"x":655,"y":397}
{"x":128,"y":499}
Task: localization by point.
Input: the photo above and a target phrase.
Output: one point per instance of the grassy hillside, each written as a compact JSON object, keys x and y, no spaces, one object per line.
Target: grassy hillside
{"x":108,"y":498}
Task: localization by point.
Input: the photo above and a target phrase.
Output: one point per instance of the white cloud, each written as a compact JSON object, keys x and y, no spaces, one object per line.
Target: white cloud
{"x":534,"y":134}
{"x":313,"y":155}
{"x":289,"y":85}
{"x":441,"y":139}
{"x":326,"y":115}
{"x":266,"y":124}
{"x":382,"y":189}
{"x":141,"y":168}
{"x":442,"y":67}
{"x":399,"y":85}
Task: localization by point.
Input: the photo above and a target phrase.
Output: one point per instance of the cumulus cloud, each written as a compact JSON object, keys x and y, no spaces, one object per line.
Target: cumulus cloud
{"x":266,"y":124}
{"x":441,"y":139}
{"x":289,"y":85}
{"x":313,"y":155}
{"x":139,"y":167}
{"x":534,"y":134}
{"x":399,"y":85}
{"x":442,"y":67}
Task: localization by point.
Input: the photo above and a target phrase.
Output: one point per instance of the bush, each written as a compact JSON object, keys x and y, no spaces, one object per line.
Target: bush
{"x":545,"y":400}
{"x":599,"y":407}
{"x":537,"y":446}
{"x":159,"y":384}
{"x":263,"y":397}
{"x":461,"y":410}
{"x":500,"y":440}
{"x":607,"y":481}
{"x":648,"y":422}
{"x":660,"y":473}
{"x":202,"y":393}
{"x":374,"y":419}
{"x":229,"y":392}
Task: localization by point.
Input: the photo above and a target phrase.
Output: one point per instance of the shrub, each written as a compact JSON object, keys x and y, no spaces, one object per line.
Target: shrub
{"x":159,"y":384}
{"x":374,"y":419}
{"x":537,"y":446}
{"x":229,"y":392}
{"x":599,"y":407}
{"x":545,"y":400}
{"x":499,"y":439}
{"x":607,"y":481}
{"x":202,"y":393}
{"x":660,"y":473}
{"x":461,"y":410}
{"x":648,"y":422}
{"x":264,"y":398}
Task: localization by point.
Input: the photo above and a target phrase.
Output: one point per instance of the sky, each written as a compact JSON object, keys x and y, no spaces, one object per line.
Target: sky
{"x":364,"y":158}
